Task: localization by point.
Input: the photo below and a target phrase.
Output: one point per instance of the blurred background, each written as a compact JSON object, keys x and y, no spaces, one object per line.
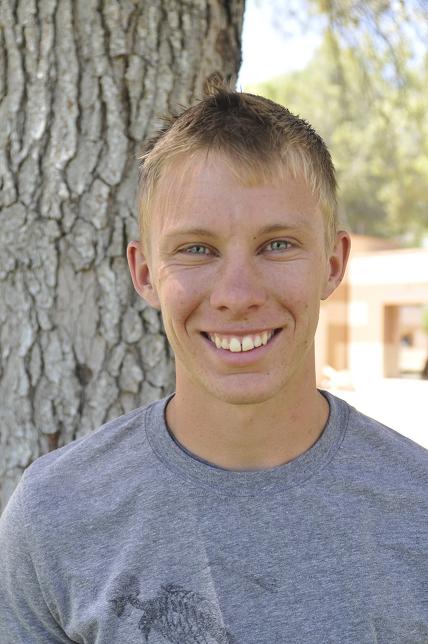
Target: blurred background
{"x":83,"y":84}
{"x":358,"y":72}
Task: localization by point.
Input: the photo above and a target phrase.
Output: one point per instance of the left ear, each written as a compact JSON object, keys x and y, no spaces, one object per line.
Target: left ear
{"x":141,"y":274}
{"x":337,"y":261}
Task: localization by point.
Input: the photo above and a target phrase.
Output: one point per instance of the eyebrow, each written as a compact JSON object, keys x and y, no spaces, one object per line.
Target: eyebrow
{"x":205,"y":232}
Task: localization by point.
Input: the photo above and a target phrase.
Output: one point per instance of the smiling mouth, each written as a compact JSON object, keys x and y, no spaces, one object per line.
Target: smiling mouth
{"x":241,"y":343}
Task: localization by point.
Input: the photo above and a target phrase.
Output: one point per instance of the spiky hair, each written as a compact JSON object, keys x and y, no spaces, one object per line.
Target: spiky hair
{"x":259,"y":137}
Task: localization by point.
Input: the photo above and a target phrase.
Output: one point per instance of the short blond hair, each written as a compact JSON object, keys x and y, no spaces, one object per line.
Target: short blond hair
{"x":262,"y":140}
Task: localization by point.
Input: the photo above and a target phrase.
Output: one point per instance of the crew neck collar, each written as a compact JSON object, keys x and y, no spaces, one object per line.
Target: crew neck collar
{"x":244,"y":483}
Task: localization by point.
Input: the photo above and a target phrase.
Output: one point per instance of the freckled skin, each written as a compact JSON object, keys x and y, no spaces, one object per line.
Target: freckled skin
{"x":234,"y":276}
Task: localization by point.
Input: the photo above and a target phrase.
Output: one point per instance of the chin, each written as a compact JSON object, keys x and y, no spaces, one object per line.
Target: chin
{"x":243,"y":396}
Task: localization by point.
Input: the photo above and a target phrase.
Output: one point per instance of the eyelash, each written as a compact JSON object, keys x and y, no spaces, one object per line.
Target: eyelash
{"x":188,"y":249}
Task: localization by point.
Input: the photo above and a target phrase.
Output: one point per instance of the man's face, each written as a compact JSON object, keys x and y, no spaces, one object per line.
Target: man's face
{"x":238,"y":272}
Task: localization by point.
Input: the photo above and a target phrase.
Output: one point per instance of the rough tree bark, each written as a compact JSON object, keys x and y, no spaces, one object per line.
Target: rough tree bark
{"x":82,"y":83}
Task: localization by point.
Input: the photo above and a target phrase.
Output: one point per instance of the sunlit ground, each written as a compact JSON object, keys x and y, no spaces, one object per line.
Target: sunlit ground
{"x":398,"y":403}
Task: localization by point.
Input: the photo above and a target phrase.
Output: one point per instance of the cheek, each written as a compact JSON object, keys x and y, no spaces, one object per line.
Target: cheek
{"x":300,"y":293}
{"x":299,"y":285}
{"x":179,"y":298}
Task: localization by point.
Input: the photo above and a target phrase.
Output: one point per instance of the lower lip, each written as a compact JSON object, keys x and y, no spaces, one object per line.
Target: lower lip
{"x":242,"y":357}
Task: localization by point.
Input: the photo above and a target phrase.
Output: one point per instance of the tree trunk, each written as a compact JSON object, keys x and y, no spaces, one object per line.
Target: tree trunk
{"x":82,"y":84}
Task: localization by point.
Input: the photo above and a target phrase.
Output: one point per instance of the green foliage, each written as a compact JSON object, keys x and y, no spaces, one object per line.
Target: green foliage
{"x":365,"y":92}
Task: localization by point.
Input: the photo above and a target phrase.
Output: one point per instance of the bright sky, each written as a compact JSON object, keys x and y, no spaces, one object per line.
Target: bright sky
{"x":266,"y":52}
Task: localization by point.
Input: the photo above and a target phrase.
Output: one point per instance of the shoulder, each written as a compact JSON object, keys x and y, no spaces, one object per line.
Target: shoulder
{"x":81,"y":488}
{"x":385,"y":440}
{"x":92,"y":462}
{"x":373,"y":450}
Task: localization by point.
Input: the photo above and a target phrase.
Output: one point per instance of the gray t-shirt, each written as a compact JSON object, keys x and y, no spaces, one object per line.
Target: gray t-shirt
{"x":125,"y":537}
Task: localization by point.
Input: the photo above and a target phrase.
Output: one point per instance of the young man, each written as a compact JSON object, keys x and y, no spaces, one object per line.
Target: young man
{"x":248,"y":507}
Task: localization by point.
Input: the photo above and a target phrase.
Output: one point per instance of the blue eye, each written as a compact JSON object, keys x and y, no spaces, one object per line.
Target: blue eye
{"x":279,"y":244}
{"x":197,"y":249}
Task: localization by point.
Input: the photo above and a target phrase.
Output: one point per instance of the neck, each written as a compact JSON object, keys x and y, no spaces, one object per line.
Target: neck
{"x":248,"y":437}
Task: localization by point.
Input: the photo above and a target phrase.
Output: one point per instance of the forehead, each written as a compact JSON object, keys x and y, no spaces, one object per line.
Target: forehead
{"x":204,"y":183}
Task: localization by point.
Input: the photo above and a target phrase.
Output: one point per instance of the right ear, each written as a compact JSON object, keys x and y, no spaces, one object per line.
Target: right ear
{"x":140,"y":274}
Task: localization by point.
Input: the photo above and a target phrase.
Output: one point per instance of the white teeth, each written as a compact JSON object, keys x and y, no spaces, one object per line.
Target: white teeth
{"x":246,"y":343}
{"x":234,"y":345}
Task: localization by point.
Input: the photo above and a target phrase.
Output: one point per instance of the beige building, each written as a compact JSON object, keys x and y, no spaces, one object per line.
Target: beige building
{"x":371,"y":327}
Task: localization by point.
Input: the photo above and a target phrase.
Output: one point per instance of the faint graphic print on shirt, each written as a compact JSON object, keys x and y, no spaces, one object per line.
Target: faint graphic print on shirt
{"x":180,"y":616}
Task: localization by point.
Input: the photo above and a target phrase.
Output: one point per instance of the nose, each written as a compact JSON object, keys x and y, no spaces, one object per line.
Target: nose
{"x":238,"y":286}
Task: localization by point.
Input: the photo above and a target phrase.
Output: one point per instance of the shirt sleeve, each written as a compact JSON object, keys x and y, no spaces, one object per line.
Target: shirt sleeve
{"x":24,"y":615}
